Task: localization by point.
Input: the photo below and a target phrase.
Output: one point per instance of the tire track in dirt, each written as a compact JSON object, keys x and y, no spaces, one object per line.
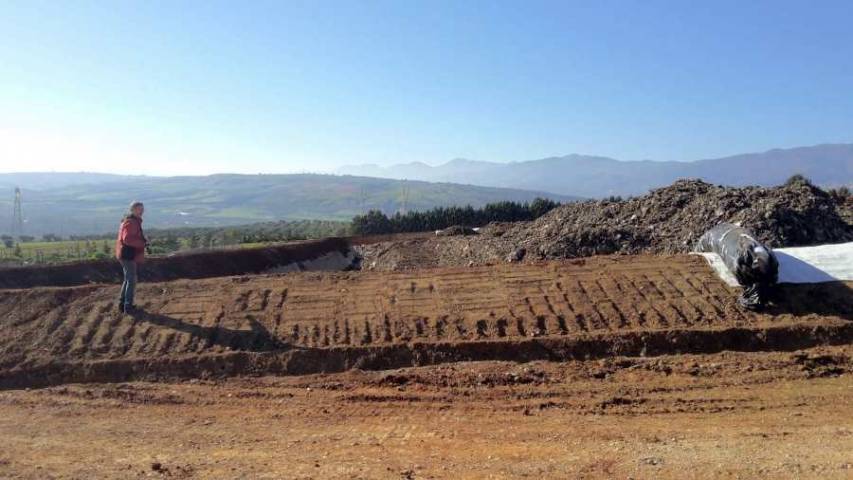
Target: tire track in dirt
{"x":303,"y":361}
{"x":494,"y":304}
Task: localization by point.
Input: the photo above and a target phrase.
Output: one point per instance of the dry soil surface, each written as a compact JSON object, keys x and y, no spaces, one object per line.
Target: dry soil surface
{"x":607,"y":367}
{"x":729,"y":415}
{"x":331,"y":322}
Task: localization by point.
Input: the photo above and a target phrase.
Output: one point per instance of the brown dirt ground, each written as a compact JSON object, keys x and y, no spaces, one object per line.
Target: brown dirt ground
{"x":730,"y":415}
{"x":605,"y":367}
{"x":322,"y":322}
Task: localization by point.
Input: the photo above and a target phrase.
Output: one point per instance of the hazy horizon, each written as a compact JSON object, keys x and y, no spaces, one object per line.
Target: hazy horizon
{"x":198,"y":88}
{"x":336,"y":171}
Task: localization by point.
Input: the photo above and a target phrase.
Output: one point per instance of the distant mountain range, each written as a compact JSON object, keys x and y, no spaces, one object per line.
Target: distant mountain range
{"x":86,"y":203}
{"x":83,"y":203}
{"x":591,"y":176}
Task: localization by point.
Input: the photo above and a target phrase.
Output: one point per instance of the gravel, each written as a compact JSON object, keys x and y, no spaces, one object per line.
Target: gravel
{"x":671,"y":220}
{"x":667,"y":220}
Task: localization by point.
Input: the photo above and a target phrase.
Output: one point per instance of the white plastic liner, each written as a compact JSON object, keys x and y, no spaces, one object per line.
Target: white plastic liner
{"x":817,"y":264}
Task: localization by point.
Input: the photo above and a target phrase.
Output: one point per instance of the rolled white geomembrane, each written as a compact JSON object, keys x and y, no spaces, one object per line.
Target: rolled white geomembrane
{"x":821,"y":263}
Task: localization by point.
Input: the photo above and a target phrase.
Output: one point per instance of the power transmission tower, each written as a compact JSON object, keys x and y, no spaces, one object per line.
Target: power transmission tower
{"x":17,"y":215}
{"x":404,"y":198}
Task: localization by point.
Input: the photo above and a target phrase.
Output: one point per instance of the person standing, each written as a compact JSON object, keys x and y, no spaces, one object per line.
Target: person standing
{"x":130,"y":251}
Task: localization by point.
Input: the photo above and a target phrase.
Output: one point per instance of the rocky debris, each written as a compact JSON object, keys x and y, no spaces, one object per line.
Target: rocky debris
{"x":401,"y":254}
{"x":820,"y":365}
{"x":654,"y":461}
{"x":516,"y":255}
{"x":455,"y":230}
{"x":845,"y":208}
{"x":667,"y":220}
{"x":671,"y":219}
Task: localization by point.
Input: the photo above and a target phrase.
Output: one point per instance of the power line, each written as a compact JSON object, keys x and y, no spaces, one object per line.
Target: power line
{"x":404,"y":194}
{"x":17,"y":214}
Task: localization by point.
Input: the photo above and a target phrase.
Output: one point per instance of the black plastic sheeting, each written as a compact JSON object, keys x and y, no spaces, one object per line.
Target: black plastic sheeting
{"x":754,"y":265}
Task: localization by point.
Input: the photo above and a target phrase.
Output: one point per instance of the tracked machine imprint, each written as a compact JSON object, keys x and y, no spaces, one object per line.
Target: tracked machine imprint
{"x":327,"y":322}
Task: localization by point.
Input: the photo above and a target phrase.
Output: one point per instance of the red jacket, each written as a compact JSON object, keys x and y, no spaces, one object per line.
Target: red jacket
{"x":130,"y":233}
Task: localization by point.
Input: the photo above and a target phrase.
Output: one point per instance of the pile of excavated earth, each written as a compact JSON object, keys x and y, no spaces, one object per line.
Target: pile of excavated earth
{"x":667,"y":220}
{"x":671,"y":219}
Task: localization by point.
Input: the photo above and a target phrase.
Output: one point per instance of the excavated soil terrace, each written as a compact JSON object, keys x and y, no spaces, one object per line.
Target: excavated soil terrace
{"x":329,"y":322}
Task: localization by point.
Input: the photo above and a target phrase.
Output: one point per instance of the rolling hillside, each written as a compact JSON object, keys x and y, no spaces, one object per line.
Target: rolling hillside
{"x":83,"y":203}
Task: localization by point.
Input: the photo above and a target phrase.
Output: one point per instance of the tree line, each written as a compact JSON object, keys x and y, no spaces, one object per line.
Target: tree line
{"x":376,"y":222}
{"x":174,"y":239}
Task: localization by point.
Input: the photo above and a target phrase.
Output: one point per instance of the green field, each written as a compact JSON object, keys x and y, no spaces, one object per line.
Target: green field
{"x":74,"y":250}
{"x":169,"y":241}
{"x":49,"y":252}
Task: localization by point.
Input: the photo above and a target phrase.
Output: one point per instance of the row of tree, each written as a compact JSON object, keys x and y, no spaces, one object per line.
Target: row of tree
{"x":170,"y":240}
{"x":376,"y":222}
{"x":9,"y":240}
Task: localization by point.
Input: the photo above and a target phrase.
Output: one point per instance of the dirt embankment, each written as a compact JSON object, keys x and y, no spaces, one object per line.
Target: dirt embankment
{"x":667,"y":220}
{"x":205,"y":264}
{"x":322,"y":322}
{"x":671,"y":219}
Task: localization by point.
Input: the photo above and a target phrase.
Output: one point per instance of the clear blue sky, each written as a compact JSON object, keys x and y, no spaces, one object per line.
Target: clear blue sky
{"x":200,"y":87}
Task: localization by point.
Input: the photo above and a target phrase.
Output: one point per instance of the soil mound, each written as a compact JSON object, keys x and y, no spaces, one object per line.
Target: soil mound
{"x":203,"y":264}
{"x":671,"y":219}
{"x":456,"y":230}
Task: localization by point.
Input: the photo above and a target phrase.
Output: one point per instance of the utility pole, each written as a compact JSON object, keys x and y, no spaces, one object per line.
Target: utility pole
{"x":17,"y":215}
{"x":404,"y":194}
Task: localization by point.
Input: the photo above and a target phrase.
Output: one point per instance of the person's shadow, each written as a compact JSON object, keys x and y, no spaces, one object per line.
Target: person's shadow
{"x":822,"y":295}
{"x":257,"y":339}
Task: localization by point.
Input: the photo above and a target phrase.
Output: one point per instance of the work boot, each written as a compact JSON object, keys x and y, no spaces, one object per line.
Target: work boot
{"x":131,"y":309}
{"x":121,"y":307}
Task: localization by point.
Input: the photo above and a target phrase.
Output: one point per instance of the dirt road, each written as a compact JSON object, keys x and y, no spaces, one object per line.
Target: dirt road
{"x":729,"y":415}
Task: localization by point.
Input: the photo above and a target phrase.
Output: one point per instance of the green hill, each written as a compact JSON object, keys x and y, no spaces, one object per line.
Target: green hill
{"x":83,"y":203}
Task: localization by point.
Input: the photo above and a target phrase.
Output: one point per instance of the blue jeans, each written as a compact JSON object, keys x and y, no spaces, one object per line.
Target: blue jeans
{"x":128,"y":288}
